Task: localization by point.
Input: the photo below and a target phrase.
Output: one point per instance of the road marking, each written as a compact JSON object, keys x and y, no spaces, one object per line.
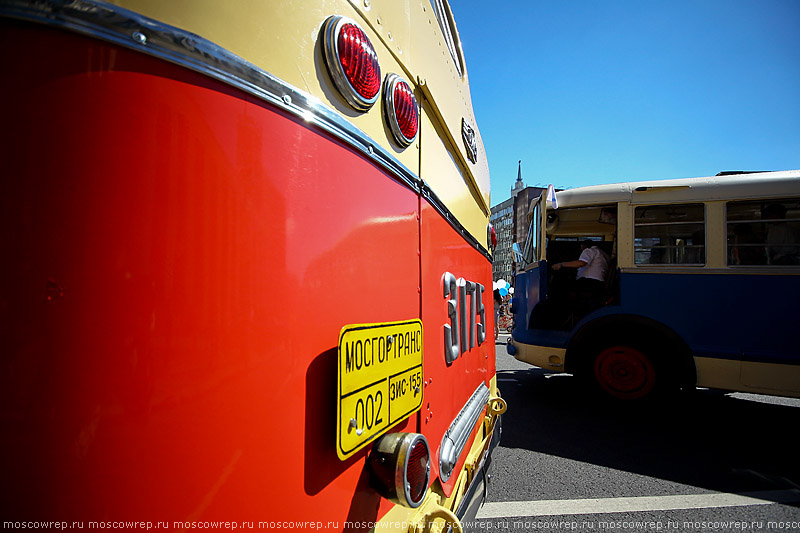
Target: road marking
{"x":635,"y":504}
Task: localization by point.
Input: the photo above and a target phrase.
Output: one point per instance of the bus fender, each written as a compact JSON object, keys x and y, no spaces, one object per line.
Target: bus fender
{"x":672,"y":349}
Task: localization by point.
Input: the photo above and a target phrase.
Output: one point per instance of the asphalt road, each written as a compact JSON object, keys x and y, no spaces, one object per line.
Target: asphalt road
{"x":706,"y":461}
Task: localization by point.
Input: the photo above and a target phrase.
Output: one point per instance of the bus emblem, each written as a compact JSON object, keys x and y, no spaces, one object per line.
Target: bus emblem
{"x":468,"y":134}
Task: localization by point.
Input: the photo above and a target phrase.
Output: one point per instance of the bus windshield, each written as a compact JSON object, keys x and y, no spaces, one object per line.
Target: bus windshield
{"x":530,"y":253}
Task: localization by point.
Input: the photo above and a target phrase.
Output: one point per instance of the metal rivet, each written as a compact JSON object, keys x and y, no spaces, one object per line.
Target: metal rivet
{"x":287,"y":99}
{"x":139,"y":37}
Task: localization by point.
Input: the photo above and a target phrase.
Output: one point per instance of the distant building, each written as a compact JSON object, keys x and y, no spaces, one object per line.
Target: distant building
{"x":502,"y":219}
{"x":510,"y":221}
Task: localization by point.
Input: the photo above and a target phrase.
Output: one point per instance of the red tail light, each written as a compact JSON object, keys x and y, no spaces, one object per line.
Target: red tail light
{"x":401,"y":110}
{"x":352,"y":62}
{"x":400,"y":466}
{"x":417,"y":470}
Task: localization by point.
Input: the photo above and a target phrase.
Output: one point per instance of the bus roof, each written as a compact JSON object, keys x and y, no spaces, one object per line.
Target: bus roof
{"x":738,"y":186}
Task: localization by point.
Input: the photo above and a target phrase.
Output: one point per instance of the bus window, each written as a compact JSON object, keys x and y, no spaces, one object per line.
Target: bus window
{"x":670,"y":234}
{"x":764,"y":232}
{"x":448,"y":30}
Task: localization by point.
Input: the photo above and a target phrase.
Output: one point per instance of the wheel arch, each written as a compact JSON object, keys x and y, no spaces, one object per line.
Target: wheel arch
{"x":632,"y":328}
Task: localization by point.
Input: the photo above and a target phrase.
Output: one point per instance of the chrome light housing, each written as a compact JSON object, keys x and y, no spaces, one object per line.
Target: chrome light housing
{"x":400,"y":468}
{"x":352,"y":62}
{"x":401,"y":108}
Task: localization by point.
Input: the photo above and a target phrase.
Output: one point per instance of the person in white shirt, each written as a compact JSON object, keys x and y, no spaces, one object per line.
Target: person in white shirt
{"x":592,"y":268}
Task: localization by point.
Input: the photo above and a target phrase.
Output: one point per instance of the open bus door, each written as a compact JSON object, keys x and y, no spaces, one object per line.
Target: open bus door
{"x":531,"y":276}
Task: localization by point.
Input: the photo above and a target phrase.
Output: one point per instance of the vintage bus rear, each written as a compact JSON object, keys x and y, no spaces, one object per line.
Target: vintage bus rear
{"x":245,"y":266}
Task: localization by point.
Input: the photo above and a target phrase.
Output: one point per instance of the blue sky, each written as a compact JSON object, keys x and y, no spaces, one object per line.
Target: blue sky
{"x":587,"y":92}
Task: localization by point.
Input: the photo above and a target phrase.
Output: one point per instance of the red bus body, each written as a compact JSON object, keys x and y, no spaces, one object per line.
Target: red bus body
{"x":179,"y":258}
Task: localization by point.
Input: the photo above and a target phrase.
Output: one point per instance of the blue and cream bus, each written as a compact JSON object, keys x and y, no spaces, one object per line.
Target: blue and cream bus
{"x":702,"y":288}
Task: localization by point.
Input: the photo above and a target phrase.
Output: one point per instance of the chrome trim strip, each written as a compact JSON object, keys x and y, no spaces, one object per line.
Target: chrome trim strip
{"x":129,"y":29}
{"x":455,"y":439}
{"x":470,"y":504}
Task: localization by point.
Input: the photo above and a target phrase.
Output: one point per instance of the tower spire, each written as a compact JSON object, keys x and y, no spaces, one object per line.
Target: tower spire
{"x":518,"y":186}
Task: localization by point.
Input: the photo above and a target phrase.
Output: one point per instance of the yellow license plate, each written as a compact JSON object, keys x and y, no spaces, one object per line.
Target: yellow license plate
{"x":380,"y":381}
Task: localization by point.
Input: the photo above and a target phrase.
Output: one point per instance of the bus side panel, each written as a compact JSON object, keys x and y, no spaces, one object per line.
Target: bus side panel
{"x":723,"y":317}
{"x":449,"y":386}
{"x":178,"y":262}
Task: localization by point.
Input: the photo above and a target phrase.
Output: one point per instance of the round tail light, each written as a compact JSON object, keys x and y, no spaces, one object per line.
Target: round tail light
{"x":401,"y":110}
{"x":400,"y":466}
{"x":352,"y":62}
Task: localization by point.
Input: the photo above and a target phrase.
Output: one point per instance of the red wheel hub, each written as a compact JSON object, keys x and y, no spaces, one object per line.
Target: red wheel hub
{"x":625,"y":372}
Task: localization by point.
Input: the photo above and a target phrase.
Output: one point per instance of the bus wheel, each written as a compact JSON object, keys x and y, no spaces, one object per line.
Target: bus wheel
{"x":624,"y":372}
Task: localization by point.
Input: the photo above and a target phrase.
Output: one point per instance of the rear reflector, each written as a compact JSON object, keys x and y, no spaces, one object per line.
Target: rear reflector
{"x":402,"y":112}
{"x":400,"y":466}
{"x":351,"y":61}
